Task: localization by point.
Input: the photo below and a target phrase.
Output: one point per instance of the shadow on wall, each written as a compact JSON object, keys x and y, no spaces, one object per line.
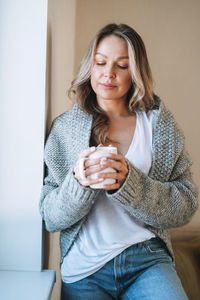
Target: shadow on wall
{"x":49,"y":116}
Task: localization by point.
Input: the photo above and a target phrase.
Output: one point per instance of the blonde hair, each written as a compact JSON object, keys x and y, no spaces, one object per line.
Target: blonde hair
{"x":140,"y":95}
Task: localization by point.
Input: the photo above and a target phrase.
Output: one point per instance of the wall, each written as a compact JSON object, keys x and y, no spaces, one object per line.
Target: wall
{"x":60,"y":55}
{"x":60,"y":66}
{"x":170,"y":30}
{"x":23,"y":27}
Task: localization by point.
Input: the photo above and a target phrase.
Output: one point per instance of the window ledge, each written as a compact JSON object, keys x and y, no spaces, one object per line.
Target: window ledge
{"x":26,"y":285}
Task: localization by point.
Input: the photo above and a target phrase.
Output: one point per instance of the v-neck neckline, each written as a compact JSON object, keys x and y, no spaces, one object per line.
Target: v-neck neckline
{"x":132,"y":144}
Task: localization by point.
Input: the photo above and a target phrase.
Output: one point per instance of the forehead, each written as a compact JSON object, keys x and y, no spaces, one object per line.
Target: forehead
{"x":112,"y":46}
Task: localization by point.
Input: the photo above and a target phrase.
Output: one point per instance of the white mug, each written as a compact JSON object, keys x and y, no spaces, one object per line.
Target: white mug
{"x":100,"y":152}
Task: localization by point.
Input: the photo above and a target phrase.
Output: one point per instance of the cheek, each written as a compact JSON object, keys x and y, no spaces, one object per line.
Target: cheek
{"x":127,"y":82}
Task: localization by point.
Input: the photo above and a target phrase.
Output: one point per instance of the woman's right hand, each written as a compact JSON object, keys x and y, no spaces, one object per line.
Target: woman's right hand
{"x":87,"y":164}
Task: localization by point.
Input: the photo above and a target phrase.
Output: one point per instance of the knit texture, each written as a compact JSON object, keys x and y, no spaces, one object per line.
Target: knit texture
{"x":163,"y":199}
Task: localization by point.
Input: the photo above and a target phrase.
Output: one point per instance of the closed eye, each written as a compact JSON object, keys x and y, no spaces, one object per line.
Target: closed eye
{"x":118,"y":66}
{"x":122,"y":67}
{"x":100,"y":63}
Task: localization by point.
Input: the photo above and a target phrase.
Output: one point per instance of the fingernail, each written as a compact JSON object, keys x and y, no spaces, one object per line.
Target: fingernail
{"x":96,"y":176}
{"x":103,"y":161}
{"x":101,"y":179}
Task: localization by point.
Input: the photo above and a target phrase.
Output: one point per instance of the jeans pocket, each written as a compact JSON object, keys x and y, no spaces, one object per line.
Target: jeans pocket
{"x":156,"y":247}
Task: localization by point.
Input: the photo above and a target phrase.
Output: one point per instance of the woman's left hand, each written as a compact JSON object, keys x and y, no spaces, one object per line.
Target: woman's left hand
{"x":117,"y":162}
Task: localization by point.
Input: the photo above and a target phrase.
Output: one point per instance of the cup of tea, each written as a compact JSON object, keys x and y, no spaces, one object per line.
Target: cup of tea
{"x":100,"y":152}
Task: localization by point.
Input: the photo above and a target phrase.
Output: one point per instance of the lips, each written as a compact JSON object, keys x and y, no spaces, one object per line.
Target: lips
{"x":108,"y":86}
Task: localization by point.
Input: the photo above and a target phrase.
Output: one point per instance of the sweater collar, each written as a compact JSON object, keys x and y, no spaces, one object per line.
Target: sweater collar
{"x":168,"y":142}
{"x":81,"y":125}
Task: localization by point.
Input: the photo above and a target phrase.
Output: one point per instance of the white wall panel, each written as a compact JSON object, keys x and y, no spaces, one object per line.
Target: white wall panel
{"x":23,"y":26}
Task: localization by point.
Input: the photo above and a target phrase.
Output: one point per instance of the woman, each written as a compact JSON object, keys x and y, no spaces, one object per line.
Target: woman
{"x":115,"y":241}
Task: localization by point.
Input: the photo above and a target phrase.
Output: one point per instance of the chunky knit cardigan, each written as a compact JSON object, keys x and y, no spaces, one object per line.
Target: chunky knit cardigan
{"x":163,"y":199}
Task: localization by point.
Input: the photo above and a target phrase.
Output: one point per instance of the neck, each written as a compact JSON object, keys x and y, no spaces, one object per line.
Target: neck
{"x":114,"y":108}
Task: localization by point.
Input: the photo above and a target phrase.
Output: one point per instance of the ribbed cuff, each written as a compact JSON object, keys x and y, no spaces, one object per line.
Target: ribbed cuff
{"x":76,"y":191}
{"x":128,"y":192}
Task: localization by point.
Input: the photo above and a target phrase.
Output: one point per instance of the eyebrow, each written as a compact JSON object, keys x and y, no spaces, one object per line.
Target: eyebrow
{"x":120,"y":57}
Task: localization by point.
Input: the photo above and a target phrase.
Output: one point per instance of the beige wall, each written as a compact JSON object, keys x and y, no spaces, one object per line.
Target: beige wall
{"x":171,"y":32}
{"x":60,"y":66}
{"x":60,"y":55}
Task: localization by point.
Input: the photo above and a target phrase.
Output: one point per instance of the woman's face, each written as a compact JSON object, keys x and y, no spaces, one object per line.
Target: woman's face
{"x":110,"y":73}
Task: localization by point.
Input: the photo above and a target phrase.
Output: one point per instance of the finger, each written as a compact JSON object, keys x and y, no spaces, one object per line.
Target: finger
{"x":112,"y":175}
{"x":94,"y":161}
{"x":81,"y":168}
{"x":117,"y":165}
{"x":114,"y":186}
{"x":87,"y":152}
{"x":89,"y":182}
{"x":117,"y":157}
{"x":94,"y":169}
{"x":119,"y":177}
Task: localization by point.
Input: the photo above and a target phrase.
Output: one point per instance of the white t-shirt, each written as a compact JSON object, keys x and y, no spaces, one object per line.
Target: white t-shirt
{"x":109,"y":229}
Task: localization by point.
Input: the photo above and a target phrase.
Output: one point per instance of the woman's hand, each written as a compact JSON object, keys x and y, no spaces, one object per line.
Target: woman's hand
{"x":117,"y":162}
{"x":95,"y":165}
{"x":91,"y":166}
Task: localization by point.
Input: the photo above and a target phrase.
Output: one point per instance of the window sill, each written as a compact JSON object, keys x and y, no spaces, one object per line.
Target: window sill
{"x":26,"y":285}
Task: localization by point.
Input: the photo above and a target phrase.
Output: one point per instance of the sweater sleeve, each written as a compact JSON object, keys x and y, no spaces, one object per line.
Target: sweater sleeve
{"x":161,"y":205}
{"x":63,"y":200}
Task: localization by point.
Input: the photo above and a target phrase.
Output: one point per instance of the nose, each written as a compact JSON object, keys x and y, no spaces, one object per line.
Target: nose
{"x":109,"y":72}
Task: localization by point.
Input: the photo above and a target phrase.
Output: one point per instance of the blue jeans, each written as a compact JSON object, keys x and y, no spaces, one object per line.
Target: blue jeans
{"x":142,"y":271}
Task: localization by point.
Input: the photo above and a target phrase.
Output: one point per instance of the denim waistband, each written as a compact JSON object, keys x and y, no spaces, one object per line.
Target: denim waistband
{"x":152,"y":240}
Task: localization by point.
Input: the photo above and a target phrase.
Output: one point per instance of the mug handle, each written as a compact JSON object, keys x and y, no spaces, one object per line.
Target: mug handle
{"x":81,"y":168}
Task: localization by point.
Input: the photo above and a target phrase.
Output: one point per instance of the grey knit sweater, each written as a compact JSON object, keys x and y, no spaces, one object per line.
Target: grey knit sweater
{"x":163,"y":199}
